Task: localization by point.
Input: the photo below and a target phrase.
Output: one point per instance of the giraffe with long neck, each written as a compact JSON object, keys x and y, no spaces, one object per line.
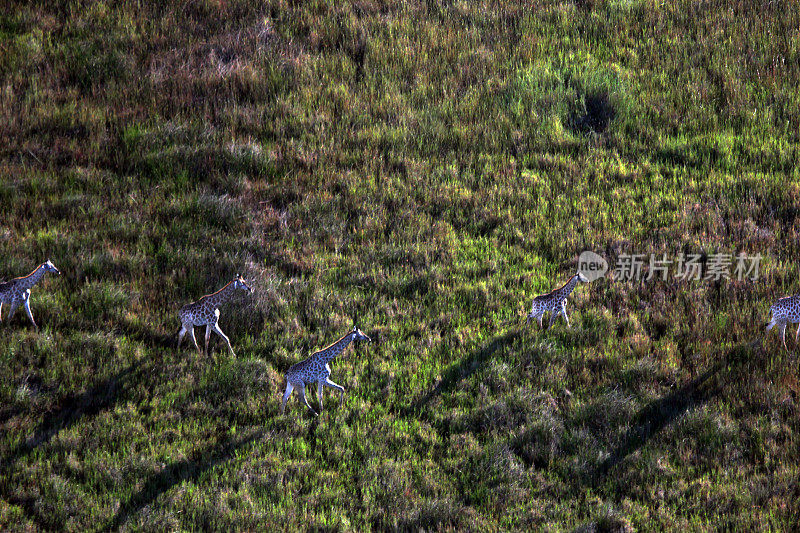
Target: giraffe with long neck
{"x":205,"y":312}
{"x":317,"y":369}
{"x":555,"y":301}
{"x":17,"y":291}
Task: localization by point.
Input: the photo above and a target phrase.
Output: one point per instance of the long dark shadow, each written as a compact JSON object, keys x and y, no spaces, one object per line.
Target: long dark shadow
{"x":7,"y":413}
{"x":658,"y":414}
{"x":188,"y":469}
{"x":71,"y":410}
{"x":153,"y":338}
{"x":458,"y":372}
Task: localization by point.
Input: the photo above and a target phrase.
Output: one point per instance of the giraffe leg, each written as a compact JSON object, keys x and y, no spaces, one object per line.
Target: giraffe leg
{"x":14,"y":306}
{"x":564,"y":312}
{"x":208,"y":336}
{"x":797,"y":334}
{"x":225,"y":337}
{"x":1,"y":311}
{"x":194,"y":340}
{"x":319,"y":394}
{"x":553,"y":316}
{"x":302,"y":390}
{"x":331,"y":384}
{"x":289,"y":388}
{"x":541,"y":316}
{"x":181,"y":333}
{"x":27,"y":306}
{"x":783,"y":335}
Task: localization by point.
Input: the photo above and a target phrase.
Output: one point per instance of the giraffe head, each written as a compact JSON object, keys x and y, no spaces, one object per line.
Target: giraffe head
{"x":582,"y":278}
{"x":239,"y":283}
{"x":358,"y":335}
{"x":50,"y":267}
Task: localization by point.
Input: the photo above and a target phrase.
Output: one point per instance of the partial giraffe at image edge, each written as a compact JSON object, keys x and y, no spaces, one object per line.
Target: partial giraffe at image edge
{"x":785,"y":311}
{"x":17,"y":291}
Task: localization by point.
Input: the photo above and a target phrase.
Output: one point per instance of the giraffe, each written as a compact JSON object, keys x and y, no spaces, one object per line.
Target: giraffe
{"x":205,"y":312}
{"x":18,"y":290}
{"x":785,"y":311}
{"x":317,"y":369}
{"x":555,"y":301}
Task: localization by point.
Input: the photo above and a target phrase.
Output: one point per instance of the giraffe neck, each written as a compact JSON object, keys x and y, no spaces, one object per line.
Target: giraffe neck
{"x":335,"y":349}
{"x":568,"y":288}
{"x":221,"y":296}
{"x":32,"y":279}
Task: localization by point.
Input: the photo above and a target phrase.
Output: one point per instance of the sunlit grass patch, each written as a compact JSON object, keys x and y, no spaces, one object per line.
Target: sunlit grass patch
{"x":421,"y":170}
{"x":553,"y":100}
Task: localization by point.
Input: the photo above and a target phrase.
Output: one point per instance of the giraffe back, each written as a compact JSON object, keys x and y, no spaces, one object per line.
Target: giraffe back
{"x":552,"y":300}
{"x":547,"y":302}
{"x":192,"y":306}
{"x":205,"y":301}
{"x":11,"y":292}
{"x":198,"y":313}
{"x":787,"y":308}
{"x":308,"y":370}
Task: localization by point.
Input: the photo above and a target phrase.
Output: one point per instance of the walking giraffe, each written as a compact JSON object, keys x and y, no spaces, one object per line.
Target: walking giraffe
{"x":555,"y":301}
{"x":786,"y":310}
{"x":18,"y":290}
{"x":205,"y":312}
{"x":317,"y":369}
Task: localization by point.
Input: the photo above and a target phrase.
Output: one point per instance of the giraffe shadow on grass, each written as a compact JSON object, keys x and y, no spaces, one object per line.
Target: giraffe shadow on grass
{"x":74,"y":408}
{"x":149,"y":336}
{"x":71,"y":410}
{"x":7,"y":413}
{"x":660,"y":413}
{"x":189,"y":469}
{"x":462,"y":370}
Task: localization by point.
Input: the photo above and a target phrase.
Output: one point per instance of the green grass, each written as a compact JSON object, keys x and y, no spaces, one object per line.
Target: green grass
{"x":424,"y":170}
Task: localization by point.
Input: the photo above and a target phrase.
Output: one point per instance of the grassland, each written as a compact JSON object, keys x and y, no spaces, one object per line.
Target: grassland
{"x":424,"y":169}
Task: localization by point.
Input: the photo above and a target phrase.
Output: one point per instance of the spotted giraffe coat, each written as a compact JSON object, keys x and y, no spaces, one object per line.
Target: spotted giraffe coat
{"x":316,"y":369}
{"x":205,"y":312}
{"x":17,"y":291}
{"x":555,"y":301}
{"x":785,"y":311}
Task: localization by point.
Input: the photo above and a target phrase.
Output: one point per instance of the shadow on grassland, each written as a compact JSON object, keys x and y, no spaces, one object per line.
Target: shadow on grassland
{"x":660,"y":413}
{"x":189,"y":469}
{"x":7,"y":413}
{"x":71,"y":409}
{"x":163,"y":335}
{"x":462,"y":370}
